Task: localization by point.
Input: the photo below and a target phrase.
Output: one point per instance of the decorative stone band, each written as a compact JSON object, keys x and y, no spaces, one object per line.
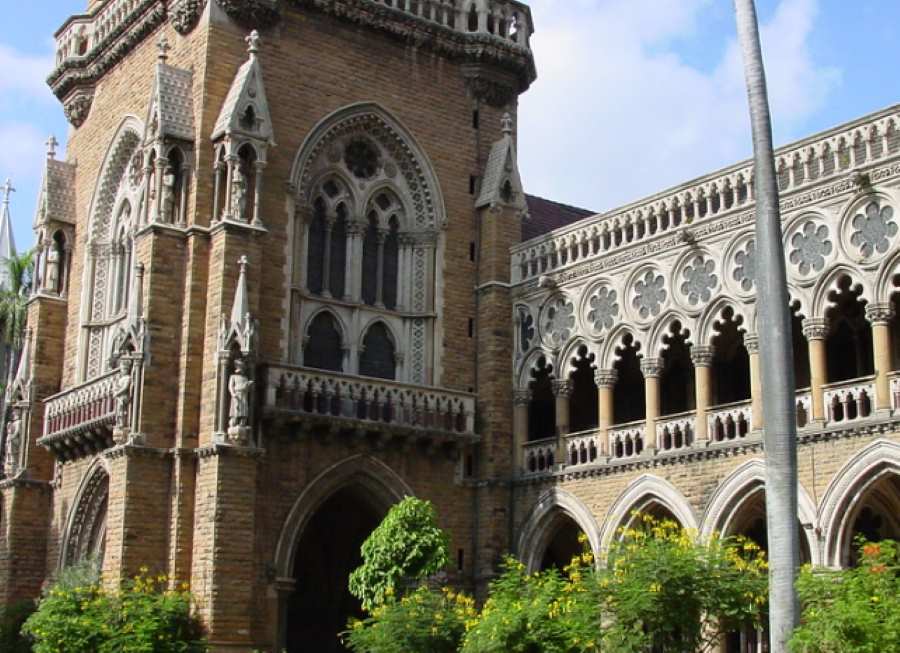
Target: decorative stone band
{"x":582,"y":449}
{"x":627,"y":440}
{"x":751,"y":343}
{"x":652,"y":366}
{"x":606,"y":378}
{"x":729,"y":423}
{"x":80,"y":421}
{"x":336,"y":396}
{"x":707,"y":205}
{"x":879,"y":314}
{"x":675,"y":432}
{"x":815,"y":328}
{"x":850,"y":401}
{"x":540,"y":456}
{"x":702,"y":356}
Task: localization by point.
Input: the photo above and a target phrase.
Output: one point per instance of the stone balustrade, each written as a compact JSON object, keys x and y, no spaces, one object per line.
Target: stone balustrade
{"x":850,"y":400}
{"x":731,"y":421}
{"x":675,"y":432}
{"x":626,"y":440}
{"x":368,"y":401}
{"x":540,"y":455}
{"x":82,"y":34}
{"x":583,"y":448}
{"x":895,"y":391}
{"x":81,"y":419}
{"x":800,"y":166}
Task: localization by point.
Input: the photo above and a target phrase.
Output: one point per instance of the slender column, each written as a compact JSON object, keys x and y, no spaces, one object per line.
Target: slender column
{"x":816,"y":330}
{"x":352,"y":262}
{"x":161,"y":163}
{"x":702,"y":358}
{"x":379,"y":281}
{"x":230,"y":162}
{"x":652,"y":369}
{"x":258,"y":167}
{"x":521,"y":399}
{"x":563,"y":392}
{"x":185,"y":186}
{"x":216,"y":216}
{"x":752,"y":345}
{"x":879,"y":315}
{"x":606,"y":382}
{"x":326,"y":257}
{"x":147,"y":192}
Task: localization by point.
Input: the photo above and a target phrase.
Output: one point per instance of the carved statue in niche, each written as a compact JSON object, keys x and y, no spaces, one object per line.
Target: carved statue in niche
{"x":122,"y":394}
{"x":168,"y":195}
{"x":13,"y":442}
{"x":239,"y":387}
{"x":238,"y":194}
{"x":51,"y":281}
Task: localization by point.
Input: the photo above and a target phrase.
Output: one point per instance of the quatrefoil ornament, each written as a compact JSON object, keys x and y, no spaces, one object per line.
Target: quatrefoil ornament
{"x":874,"y":229}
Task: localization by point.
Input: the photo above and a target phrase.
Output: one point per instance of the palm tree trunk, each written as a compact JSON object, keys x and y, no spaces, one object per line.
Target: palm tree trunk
{"x":774,"y":325}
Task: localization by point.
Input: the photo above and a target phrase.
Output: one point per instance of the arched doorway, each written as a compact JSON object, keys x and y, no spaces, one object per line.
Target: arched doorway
{"x":564,"y":543}
{"x":875,"y":516}
{"x":328,"y":550}
{"x":85,"y":534}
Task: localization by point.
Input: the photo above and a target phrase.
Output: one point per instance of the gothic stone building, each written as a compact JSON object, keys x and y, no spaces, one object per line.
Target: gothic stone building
{"x":288,"y":274}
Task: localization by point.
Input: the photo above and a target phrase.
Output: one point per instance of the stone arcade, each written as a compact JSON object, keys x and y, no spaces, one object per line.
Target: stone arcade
{"x":288,"y":274}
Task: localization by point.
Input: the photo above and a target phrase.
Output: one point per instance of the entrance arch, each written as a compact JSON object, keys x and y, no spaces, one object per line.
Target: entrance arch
{"x":319,"y":547}
{"x":550,"y":534}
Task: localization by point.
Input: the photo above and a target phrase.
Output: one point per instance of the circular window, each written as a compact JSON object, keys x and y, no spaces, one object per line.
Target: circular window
{"x":361,"y":159}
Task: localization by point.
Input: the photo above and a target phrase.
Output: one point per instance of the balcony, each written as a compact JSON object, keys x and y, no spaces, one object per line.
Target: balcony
{"x":80,"y":421}
{"x":731,"y":421}
{"x":364,"y":405}
{"x":850,"y":401}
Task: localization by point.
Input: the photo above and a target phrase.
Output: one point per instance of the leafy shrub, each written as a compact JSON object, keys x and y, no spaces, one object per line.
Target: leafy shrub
{"x":406,"y":547}
{"x":77,"y":615}
{"x":425,"y":620}
{"x":11,"y":619}
{"x":852,"y":610}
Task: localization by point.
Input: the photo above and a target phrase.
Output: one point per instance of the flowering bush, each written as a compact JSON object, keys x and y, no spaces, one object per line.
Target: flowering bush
{"x":77,"y":615}
{"x":852,"y":610}
{"x":425,"y":620}
{"x":406,"y":547}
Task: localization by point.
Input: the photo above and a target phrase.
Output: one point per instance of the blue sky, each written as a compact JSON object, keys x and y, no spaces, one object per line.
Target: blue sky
{"x":634,"y":95}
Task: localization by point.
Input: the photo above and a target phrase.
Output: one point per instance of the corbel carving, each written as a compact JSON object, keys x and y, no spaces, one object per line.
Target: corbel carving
{"x":185,"y":14}
{"x":259,"y":14}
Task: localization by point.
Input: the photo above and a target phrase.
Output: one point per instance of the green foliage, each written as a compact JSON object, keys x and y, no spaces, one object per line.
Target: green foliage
{"x":852,"y":610}
{"x":77,"y":615}
{"x":406,"y":547}
{"x":665,"y":589}
{"x":11,"y":619}
{"x":546,"y":612}
{"x":425,"y":620}
{"x":14,"y":301}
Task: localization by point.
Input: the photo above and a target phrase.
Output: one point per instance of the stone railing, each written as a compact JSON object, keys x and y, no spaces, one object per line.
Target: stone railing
{"x":539,"y":455}
{"x":81,"y":418}
{"x":895,"y":390}
{"x":627,"y":440}
{"x":730,"y":421}
{"x":804,"y":408}
{"x":305,"y":391}
{"x":850,"y":400}
{"x":582,"y":448}
{"x":675,"y":432}
{"x":801,"y":165}
{"x":82,"y":34}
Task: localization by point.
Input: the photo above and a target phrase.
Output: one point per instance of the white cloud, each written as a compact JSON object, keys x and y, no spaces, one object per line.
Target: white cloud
{"x":617,"y":114}
{"x":24,"y":74}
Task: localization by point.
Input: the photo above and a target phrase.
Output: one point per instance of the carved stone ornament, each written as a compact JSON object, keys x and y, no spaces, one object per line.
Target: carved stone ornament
{"x":13,"y":445}
{"x":123,"y":394}
{"x":492,"y":92}
{"x":699,"y":280}
{"x":260,"y":14}
{"x":874,"y":229}
{"x":604,"y":305}
{"x":810,"y":246}
{"x":525,"y":324}
{"x":649,"y":294}
{"x":185,"y":14}
{"x":745,"y":267}
{"x":558,"y":322}
{"x":78,"y":108}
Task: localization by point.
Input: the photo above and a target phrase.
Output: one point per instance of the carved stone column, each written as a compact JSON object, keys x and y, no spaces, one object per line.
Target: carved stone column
{"x":879,"y":315}
{"x":563,"y":392}
{"x":702,"y":358}
{"x":816,"y":330}
{"x":521,"y":399}
{"x":751,"y":343}
{"x":606,"y":383}
{"x":652,"y":369}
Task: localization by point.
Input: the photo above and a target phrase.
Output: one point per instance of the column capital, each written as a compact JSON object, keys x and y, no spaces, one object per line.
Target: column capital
{"x":751,"y":344}
{"x":815,"y":328}
{"x":879,"y":314}
{"x":606,"y":378}
{"x":703,"y":356}
{"x":521,"y":397}
{"x":562,"y":388}
{"x":652,"y":366}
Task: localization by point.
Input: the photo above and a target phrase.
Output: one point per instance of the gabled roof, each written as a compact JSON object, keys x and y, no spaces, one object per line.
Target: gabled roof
{"x":545,"y":215}
{"x":171,"y":112}
{"x":56,"y":199}
{"x":501,"y":183}
{"x":247,"y":91}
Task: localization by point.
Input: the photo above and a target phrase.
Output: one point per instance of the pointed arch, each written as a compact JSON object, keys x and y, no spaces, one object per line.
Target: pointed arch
{"x":539,"y":527}
{"x":713,"y":315}
{"x":84,"y":534}
{"x":662,"y":328}
{"x":382,"y":486}
{"x":640,"y":493}
{"x":829,"y":283}
{"x":873,"y":463}
{"x":570,"y":353}
{"x":530,"y":364}
{"x":378,"y":351}
{"x":326,"y":341}
{"x":616,"y":341}
{"x":884,"y":285}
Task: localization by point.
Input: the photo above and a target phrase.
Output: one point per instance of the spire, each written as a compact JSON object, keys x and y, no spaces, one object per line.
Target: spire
{"x":241,"y":307}
{"x":23,"y":371}
{"x":7,"y":240}
{"x":162,"y":48}
{"x":52,"y":144}
{"x":501,"y":183}
{"x":246,"y":109}
{"x":136,"y":305}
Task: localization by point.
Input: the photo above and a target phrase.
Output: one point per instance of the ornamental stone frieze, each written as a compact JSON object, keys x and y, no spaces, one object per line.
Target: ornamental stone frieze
{"x":185,"y":14}
{"x":256,"y":14}
{"x":78,"y":106}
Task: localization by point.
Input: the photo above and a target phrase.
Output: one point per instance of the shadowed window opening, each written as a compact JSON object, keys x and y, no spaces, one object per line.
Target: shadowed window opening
{"x":677,"y":379}
{"x":800,"y":348}
{"x":563,"y":546}
{"x":731,"y":364}
{"x":324,"y":348}
{"x":378,"y":356}
{"x":849,"y":342}
{"x":628,"y":393}
{"x":583,"y":413}
{"x":542,"y":407}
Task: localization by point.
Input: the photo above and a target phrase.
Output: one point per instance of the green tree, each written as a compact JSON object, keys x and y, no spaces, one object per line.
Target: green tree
{"x":408,"y":546}
{"x":851,"y":610}
{"x":14,"y":300}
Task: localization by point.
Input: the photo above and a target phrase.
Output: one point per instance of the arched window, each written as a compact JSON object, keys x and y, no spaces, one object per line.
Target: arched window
{"x":677,"y":379}
{"x":315,"y":276}
{"x":174,"y":191}
{"x":731,"y":363}
{"x":324,"y":347}
{"x":58,"y":265}
{"x":849,"y":341}
{"x":628,"y":394}
{"x":583,"y":411}
{"x":327,"y":243}
{"x":381,"y":252}
{"x":377,"y":357}
{"x":542,"y":408}
{"x":337,"y":273}
{"x":391,"y":264}
{"x":123,"y":261}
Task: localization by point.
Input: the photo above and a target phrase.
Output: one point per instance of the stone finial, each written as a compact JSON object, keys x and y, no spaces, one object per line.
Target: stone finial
{"x":253,"y":43}
{"x":241,"y":306}
{"x":52,"y":144}
{"x":7,"y":189}
{"x":162,"y":48}
{"x":506,"y":124}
